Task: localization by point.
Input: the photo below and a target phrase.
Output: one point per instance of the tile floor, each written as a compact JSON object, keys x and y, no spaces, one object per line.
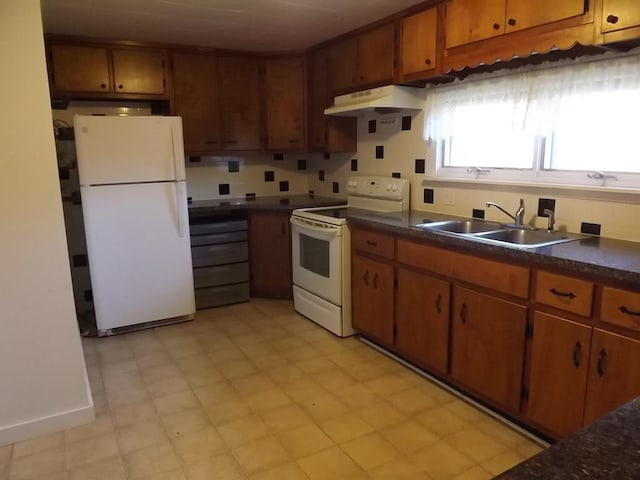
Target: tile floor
{"x":254,"y":391}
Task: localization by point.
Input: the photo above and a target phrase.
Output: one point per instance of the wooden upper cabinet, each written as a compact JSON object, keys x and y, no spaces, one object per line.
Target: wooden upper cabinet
{"x":619,"y":14}
{"x":472,"y":20}
{"x":195,"y":81}
{"x":284,"y":86}
{"x":376,"y":55}
{"x":138,"y":71}
{"x":76,"y":68}
{"x":418,"y":44}
{"x":521,"y":14}
{"x":343,"y":65}
{"x":239,"y":79}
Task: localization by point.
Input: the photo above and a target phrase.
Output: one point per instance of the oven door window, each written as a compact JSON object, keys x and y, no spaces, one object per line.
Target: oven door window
{"x":315,"y":255}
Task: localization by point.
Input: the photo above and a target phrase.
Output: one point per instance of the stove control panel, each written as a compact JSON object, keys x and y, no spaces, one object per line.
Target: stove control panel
{"x":392,"y":190}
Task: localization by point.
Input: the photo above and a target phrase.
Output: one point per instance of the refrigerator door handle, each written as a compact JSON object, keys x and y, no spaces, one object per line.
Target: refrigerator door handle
{"x":180,"y":209}
{"x":176,"y":156}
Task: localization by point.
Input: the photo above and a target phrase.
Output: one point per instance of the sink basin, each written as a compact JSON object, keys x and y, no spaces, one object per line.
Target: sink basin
{"x":462,"y":226}
{"x":527,"y":238}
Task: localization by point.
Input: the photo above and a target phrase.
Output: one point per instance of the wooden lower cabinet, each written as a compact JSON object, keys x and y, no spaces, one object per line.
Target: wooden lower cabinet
{"x":422,"y":319}
{"x":558,"y":376}
{"x":270,"y":255}
{"x":487,"y":346}
{"x":372,"y":298}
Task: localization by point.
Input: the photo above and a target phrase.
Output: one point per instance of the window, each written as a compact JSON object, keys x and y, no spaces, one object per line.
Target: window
{"x":570,"y":123}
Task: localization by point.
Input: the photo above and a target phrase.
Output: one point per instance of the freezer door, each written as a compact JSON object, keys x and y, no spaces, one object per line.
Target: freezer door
{"x":114,"y":149}
{"x":139,"y":252}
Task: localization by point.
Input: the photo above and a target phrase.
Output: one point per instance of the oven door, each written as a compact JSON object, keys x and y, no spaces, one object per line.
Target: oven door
{"x":317,"y":258}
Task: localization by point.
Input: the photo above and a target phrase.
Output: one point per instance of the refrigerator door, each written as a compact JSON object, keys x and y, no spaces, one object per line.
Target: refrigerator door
{"x":114,"y":149}
{"x":139,"y":252}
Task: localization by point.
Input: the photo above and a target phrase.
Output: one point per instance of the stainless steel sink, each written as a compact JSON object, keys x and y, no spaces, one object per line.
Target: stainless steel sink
{"x":527,"y":238}
{"x":464,"y":227}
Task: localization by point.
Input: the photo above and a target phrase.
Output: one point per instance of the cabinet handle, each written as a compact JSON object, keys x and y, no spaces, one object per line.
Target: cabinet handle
{"x":601,"y":359}
{"x":612,"y":19}
{"x":366,"y":277}
{"x":439,"y":304}
{"x":463,"y":312}
{"x":512,"y":21}
{"x":624,"y":309}
{"x":576,"y":354}
{"x":427,"y":61}
{"x":375,"y":281}
{"x":371,"y":243}
{"x":103,"y":85}
{"x":120,"y":87}
{"x":558,"y":293}
{"x":496,"y":26}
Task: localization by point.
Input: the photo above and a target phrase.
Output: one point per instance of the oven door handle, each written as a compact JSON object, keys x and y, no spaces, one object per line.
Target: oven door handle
{"x":311,"y":225}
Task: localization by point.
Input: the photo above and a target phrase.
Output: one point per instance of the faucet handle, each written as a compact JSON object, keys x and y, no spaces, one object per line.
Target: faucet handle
{"x":552,"y":218}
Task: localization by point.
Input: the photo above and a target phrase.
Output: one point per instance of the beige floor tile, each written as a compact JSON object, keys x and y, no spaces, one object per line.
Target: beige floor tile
{"x":225,"y":412}
{"x":151,"y":461}
{"x":329,"y":345}
{"x":174,"y":474}
{"x":502,"y":462}
{"x":245,"y":430}
{"x":253,"y":383}
{"x":323,"y":407}
{"x":168,"y":386}
{"x":127,"y":396}
{"x":381,"y":414}
{"x":387,"y":384}
{"x":132,"y":413}
{"x":188,"y":421}
{"x":193,"y":362}
{"x":203,"y":375}
{"x":176,"y":402}
{"x":287,"y":343}
{"x":333,"y":379}
{"x":300,"y":353}
{"x":265,"y":363}
{"x":371,"y":450}
{"x":91,"y":450}
{"x":501,"y":432}
{"x":304,"y":440}
{"x":329,"y":464}
{"x":6,"y":452}
{"x":222,"y":466}
{"x":141,"y":435}
{"x":468,"y":412}
{"x":260,"y":455}
{"x":345,"y":427}
{"x":117,"y":355}
{"x":350,"y":359}
{"x":303,"y":388}
{"x":289,"y":471}
{"x":364,"y":370}
{"x":227,"y":355}
{"x":475,"y":473}
{"x":441,"y":460}
{"x":160,"y":373}
{"x":110,"y":468}
{"x":286,"y":417}
{"x":412,"y":401}
{"x":315,"y":365}
{"x":476,"y":445}
{"x":287,"y":373}
{"x":442,"y":421}
{"x":34,"y":445}
{"x":153,"y":359}
{"x":409,"y":436}
{"x":237,"y":369}
{"x":529,"y":449}
{"x":357,"y":395}
{"x":4,"y":471}
{"x":267,"y":400}
{"x":257,"y":349}
{"x":399,"y":469}
{"x":122,"y":381}
{"x":201,"y":444}
{"x":218,"y":392}
{"x":47,"y":462}
{"x":437,"y":393}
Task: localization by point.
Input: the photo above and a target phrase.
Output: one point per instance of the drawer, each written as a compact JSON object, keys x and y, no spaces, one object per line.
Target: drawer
{"x":499,"y":276}
{"x":225,"y":295}
{"x":620,"y":307}
{"x":210,"y":255}
{"x":217,"y":238}
{"x":217,"y":227}
{"x":566,"y":293}
{"x":220,"y":275}
{"x":373,"y":242}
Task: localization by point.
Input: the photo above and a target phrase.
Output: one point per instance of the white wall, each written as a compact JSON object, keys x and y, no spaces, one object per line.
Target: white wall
{"x":42,"y":373}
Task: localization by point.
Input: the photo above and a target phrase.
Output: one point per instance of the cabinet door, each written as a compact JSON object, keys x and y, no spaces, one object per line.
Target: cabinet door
{"x":619,"y":14}
{"x":521,"y":14}
{"x":418,"y":43}
{"x":318,"y":99}
{"x":240,"y":102}
{"x":195,"y":80}
{"x":488,"y":337}
{"x":422,"y":319}
{"x":270,"y":255}
{"x":138,"y":71}
{"x":372,"y":298}
{"x":614,"y":373}
{"x":472,"y":20}
{"x":558,"y":378}
{"x":284,"y":81}
{"x":343,"y":67}
{"x":376,"y":56}
{"x":80,"y":68}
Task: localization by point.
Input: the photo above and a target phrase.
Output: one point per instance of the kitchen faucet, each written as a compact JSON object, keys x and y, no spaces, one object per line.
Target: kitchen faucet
{"x":518,"y":218}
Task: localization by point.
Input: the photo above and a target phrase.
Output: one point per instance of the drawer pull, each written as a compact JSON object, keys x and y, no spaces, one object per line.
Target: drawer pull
{"x":463,"y":313}
{"x":439,"y":304}
{"x":624,"y":309}
{"x":612,"y":19}
{"x":601,"y":359}
{"x":496,"y":26}
{"x":576,"y":354}
{"x":366,"y":277}
{"x":375,"y":281}
{"x":562,"y":294}
{"x":371,"y":243}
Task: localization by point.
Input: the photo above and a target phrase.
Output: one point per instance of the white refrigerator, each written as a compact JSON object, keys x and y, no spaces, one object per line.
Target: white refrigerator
{"x":134,"y":203}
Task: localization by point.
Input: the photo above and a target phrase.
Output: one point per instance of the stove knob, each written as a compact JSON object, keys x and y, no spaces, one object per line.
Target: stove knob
{"x":395,"y":188}
{"x":388,"y":187}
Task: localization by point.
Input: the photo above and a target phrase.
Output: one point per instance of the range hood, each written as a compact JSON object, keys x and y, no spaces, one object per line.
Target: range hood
{"x":388,"y":99}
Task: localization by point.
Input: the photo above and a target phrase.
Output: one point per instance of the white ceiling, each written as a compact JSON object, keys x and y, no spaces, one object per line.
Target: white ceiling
{"x":260,"y":25}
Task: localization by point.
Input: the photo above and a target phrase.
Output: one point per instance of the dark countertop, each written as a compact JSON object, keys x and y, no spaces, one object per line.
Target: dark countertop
{"x":607,"y":449}
{"x":609,"y":259}
{"x":280,"y":203}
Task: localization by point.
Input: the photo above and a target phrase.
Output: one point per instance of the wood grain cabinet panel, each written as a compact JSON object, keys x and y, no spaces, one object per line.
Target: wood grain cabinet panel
{"x":567,"y":293}
{"x":521,"y":14}
{"x":376,"y":55}
{"x":619,"y":14}
{"x":418,"y":39}
{"x":620,"y":307}
{"x":472,"y":20}
{"x":76,"y":68}
{"x":374,"y":243}
{"x":342,"y":58}
{"x":558,"y":376}
{"x":138,"y":71}
{"x":270,"y":255}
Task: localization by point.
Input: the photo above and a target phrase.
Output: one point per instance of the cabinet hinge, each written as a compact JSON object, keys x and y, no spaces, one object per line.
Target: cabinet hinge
{"x":524,"y":394}
{"x":529,"y":331}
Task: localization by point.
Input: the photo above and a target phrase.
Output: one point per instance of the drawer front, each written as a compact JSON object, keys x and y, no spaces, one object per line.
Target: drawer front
{"x":218,"y":227}
{"x":219,"y":254}
{"x":220,"y":275}
{"x":567,"y":293}
{"x":620,"y":307}
{"x":373,"y":242}
{"x":502,"y":277}
{"x":217,"y":238}
{"x":225,"y":295}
